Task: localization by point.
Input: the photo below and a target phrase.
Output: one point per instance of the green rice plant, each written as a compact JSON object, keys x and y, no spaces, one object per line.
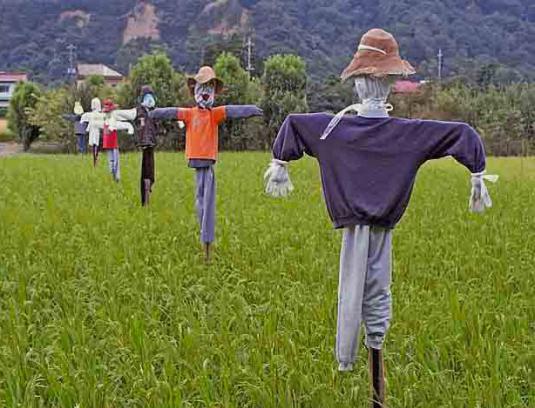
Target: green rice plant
{"x":104,"y":303}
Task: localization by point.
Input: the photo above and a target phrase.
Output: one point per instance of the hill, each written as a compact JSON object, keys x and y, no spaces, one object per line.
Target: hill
{"x":34,"y":34}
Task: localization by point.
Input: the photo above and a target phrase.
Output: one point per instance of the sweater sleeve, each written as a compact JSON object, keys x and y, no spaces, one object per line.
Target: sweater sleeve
{"x":299,"y":134}
{"x":71,"y":117}
{"x":242,"y":111}
{"x":164,"y":113}
{"x":125,"y":114}
{"x":455,"y":139}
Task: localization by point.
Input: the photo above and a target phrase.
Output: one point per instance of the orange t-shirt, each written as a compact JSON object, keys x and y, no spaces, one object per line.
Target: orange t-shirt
{"x":202,"y":128}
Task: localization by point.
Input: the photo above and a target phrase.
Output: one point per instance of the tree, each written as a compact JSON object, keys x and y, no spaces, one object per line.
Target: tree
{"x":94,"y":87}
{"x":24,"y":99}
{"x":238,"y":90}
{"x":330,"y":96}
{"x":284,"y":82}
{"x":169,"y":87}
{"x":157,"y":71}
{"x":47,"y":115}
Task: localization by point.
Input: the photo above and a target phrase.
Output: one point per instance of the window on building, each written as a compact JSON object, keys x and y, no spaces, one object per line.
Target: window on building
{"x":4,"y":88}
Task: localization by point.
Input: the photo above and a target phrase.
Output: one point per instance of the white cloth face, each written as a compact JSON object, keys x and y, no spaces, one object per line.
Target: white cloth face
{"x":205,"y":95}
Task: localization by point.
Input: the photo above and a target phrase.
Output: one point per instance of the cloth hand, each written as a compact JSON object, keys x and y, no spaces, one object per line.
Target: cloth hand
{"x":479,"y":197}
{"x":278,"y":183}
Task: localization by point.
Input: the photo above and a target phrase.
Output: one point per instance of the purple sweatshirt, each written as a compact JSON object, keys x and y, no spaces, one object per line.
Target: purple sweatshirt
{"x":368,"y":165}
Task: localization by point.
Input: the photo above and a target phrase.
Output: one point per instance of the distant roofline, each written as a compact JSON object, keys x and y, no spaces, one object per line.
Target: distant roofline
{"x":13,"y":76}
{"x":87,"y":70}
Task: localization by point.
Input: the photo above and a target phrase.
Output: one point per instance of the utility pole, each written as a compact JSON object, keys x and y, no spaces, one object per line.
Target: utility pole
{"x":71,"y":71}
{"x":440,"y":61}
{"x":249,"y":67}
{"x":202,"y":55}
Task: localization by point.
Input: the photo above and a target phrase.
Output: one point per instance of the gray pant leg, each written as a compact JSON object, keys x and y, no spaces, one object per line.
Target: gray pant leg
{"x":117,"y":165}
{"x":205,"y":203}
{"x":111,"y":164}
{"x":353,"y":267}
{"x":377,"y":305}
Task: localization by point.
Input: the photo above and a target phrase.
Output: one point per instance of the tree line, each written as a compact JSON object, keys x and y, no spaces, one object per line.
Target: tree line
{"x":502,"y":114}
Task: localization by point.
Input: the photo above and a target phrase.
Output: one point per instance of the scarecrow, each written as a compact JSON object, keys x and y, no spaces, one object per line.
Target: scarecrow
{"x":202,"y":124}
{"x":146,"y":137}
{"x":79,"y":126}
{"x":110,"y":142}
{"x":94,"y":120}
{"x":368,"y":166}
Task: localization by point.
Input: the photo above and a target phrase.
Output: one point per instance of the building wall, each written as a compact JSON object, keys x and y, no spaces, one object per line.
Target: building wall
{"x":6,"y":91}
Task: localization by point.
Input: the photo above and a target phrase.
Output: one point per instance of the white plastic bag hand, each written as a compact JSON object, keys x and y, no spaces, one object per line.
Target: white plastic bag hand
{"x":479,"y":197}
{"x":278,"y":183}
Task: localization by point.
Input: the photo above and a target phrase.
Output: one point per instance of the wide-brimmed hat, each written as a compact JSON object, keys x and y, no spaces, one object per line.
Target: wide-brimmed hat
{"x":108,"y":106}
{"x":378,"y":56}
{"x":205,"y":75}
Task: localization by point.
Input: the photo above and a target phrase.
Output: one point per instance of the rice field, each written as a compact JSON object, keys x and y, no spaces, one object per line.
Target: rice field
{"x":107,"y":304}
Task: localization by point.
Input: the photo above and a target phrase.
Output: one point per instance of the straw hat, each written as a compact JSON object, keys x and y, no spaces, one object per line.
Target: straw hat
{"x":378,"y":56}
{"x":205,"y":75}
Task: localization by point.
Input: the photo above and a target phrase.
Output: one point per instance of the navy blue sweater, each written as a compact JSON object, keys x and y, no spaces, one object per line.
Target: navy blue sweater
{"x":369,"y":165}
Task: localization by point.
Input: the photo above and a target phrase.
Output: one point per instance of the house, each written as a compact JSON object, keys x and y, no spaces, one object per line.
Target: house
{"x":111,"y":77}
{"x":8,"y":81}
{"x":407,"y":87}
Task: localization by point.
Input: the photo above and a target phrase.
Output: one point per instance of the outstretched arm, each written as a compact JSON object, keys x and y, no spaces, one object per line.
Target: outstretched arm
{"x":164,"y":113}
{"x":125,"y":114}
{"x":464,"y":144}
{"x":125,"y":126}
{"x":298,"y":135}
{"x":242,"y":111}
{"x":86,"y":117}
{"x":179,"y":114}
{"x":71,"y":117}
{"x":92,"y":117}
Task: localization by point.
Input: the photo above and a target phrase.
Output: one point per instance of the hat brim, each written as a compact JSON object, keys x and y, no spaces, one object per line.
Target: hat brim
{"x":192,"y":81}
{"x":377,"y":67}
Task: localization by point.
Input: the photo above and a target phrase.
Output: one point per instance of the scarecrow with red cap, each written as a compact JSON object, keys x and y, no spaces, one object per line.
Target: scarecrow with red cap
{"x":202,"y":124}
{"x":369,"y":163}
{"x":110,"y":125}
{"x":147,"y":131}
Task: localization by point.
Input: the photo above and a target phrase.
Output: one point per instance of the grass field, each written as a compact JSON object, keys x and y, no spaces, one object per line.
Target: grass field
{"x":106,"y":304}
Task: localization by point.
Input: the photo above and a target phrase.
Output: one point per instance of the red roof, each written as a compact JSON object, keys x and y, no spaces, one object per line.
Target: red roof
{"x":13,"y":76}
{"x":406,"y":87}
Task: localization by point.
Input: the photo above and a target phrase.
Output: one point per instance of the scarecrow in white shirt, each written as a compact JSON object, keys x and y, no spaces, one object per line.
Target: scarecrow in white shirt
{"x":93,"y":119}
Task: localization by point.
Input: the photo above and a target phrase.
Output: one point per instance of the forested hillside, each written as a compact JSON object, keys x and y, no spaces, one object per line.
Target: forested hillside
{"x":34,"y":34}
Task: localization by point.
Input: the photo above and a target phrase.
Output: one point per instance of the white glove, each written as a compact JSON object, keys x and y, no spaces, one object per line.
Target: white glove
{"x":278,"y":183}
{"x":480,"y":198}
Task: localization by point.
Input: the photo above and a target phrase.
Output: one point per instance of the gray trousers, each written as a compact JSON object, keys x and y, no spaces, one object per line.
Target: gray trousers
{"x":364,"y":290}
{"x":113,"y":164}
{"x":205,"y":202}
